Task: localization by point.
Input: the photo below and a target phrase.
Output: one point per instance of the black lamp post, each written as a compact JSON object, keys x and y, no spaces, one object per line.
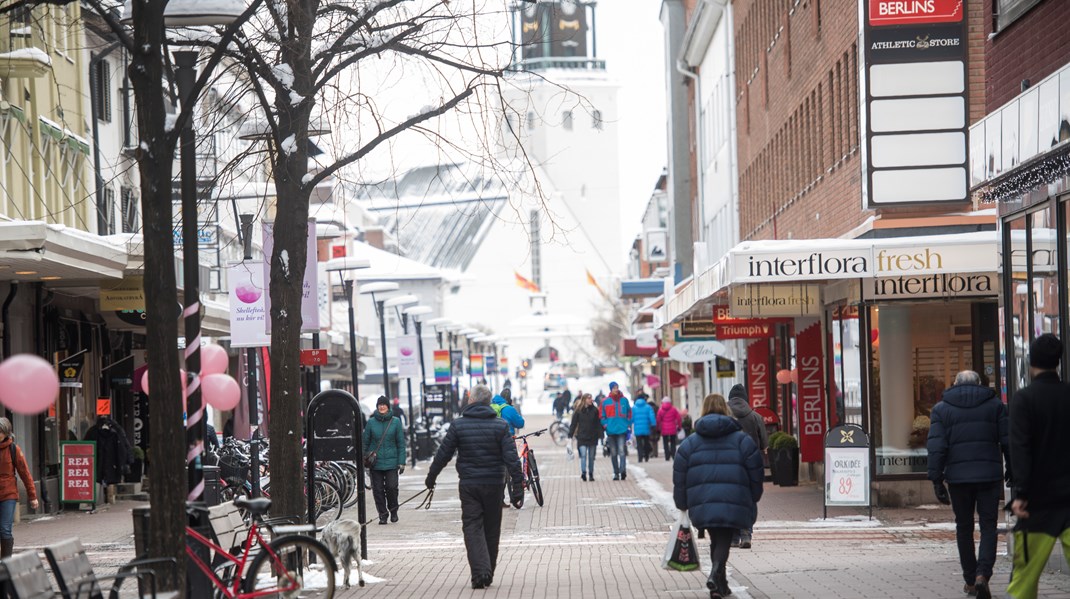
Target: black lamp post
{"x":415,"y":312}
{"x":250,"y":375}
{"x":396,"y":303}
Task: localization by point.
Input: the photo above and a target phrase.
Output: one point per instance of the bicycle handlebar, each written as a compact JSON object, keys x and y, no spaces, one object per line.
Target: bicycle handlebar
{"x":534,"y":434}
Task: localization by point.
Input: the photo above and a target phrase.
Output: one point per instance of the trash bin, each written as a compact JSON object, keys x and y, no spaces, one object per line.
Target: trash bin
{"x":424,"y":447}
{"x":212,"y":485}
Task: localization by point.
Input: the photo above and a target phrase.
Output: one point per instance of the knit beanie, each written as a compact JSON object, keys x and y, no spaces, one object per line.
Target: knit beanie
{"x":382,"y":401}
{"x":1045,"y":352}
{"x":738,"y":391}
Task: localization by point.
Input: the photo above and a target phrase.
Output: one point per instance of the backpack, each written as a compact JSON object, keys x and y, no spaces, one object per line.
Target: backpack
{"x":498,"y":407}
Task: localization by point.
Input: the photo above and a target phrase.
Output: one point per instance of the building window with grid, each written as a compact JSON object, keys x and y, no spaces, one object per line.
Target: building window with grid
{"x":100,"y":84}
{"x":129,"y":207}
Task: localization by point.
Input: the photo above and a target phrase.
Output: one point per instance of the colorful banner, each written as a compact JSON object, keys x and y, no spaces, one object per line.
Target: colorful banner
{"x":408,"y":357}
{"x":503,"y":366}
{"x":490,"y":364}
{"x":758,"y":373}
{"x":475,"y":365}
{"x":812,"y":403}
{"x":310,"y":312}
{"x":70,"y":371}
{"x":248,"y":305}
{"x":442,"y":365}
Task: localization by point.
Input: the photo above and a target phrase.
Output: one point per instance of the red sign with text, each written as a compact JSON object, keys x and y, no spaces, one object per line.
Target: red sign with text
{"x":78,"y":461}
{"x":914,"y":12}
{"x":313,"y":357}
{"x":758,"y":374}
{"x":809,"y":362}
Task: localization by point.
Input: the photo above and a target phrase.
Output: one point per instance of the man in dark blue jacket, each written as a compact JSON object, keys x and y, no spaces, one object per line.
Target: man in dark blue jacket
{"x":484,"y":450}
{"x":968,"y":441}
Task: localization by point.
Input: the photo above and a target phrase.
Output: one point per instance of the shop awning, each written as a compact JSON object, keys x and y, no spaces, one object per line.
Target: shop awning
{"x":795,"y":261}
{"x":40,"y":250}
{"x":641,"y":288}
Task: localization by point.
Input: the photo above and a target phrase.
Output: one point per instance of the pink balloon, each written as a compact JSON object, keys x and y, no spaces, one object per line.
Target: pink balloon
{"x":28,"y":384}
{"x":145,"y":382}
{"x":795,"y":375}
{"x":220,"y":391}
{"x":783,"y":376}
{"x":214,"y":359}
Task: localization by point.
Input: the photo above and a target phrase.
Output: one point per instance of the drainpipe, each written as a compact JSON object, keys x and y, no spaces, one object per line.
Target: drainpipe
{"x":102,"y":210}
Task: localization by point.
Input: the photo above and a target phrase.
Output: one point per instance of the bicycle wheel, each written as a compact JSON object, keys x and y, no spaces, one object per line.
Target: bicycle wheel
{"x":559,"y":433}
{"x":533,"y":478}
{"x":328,"y":502}
{"x":292,"y":566}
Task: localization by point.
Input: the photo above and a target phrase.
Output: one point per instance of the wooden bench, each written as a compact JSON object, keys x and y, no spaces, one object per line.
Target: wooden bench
{"x":77,"y":580}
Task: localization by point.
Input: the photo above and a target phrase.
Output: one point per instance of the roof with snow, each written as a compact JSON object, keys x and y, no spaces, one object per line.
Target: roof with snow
{"x":386,"y":266}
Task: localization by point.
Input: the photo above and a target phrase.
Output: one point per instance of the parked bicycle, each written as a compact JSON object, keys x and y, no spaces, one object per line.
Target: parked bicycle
{"x":559,"y":433}
{"x":529,"y":466}
{"x":286,"y":566}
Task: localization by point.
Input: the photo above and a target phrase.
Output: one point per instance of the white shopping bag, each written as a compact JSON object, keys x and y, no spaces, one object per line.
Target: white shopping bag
{"x":681,"y":553}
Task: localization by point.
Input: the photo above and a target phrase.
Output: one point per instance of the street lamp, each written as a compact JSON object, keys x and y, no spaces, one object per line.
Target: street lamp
{"x":343,"y":265}
{"x":470,"y":334}
{"x":372,"y":289}
{"x":439,"y":324}
{"x":396,"y":303}
{"x":452,"y":329}
{"x":415,"y":312}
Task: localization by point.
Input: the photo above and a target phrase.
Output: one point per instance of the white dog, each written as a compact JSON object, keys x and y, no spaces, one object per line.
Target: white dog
{"x":342,"y":537}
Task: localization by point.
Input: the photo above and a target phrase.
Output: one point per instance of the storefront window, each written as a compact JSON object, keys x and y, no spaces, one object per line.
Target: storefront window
{"x":918,"y":349}
{"x":846,"y":392}
{"x":1017,"y":302}
{"x":1045,"y":283}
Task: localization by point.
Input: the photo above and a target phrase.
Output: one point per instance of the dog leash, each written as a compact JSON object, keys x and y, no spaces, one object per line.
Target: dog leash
{"x":425,"y":504}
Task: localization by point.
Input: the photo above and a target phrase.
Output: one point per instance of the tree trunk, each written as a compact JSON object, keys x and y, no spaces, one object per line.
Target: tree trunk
{"x":155,"y":164}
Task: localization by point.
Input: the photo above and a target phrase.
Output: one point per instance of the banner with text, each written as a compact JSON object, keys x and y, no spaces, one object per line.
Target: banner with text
{"x":809,"y":361}
{"x":78,"y":460}
{"x":758,"y":373}
{"x":408,"y":357}
{"x":310,"y":312}
{"x":248,"y":310}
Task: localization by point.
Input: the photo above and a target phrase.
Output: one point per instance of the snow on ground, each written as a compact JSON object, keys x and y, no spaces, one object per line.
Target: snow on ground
{"x":838,"y":522}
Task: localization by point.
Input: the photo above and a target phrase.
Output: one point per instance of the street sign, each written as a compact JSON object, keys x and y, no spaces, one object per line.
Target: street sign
{"x":313,"y":357}
{"x":847,"y":472}
{"x":78,"y":461}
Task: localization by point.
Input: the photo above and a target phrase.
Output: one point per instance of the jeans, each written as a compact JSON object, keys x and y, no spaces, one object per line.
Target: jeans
{"x":385,"y":491}
{"x":642,"y":444}
{"x":984,"y":499}
{"x":617,"y":447}
{"x":587,"y":453}
{"x":7,"y":517}
{"x":669,"y":442}
{"x":481,"y":522}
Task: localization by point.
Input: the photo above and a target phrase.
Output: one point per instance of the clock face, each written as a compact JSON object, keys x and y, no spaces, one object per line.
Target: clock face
{"x":569,"y":7}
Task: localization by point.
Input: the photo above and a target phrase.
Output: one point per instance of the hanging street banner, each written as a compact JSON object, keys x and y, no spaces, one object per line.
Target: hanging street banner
{"x":408,"y":357}
{"x":248,"y":305}
{"x":442,"y":365}
{"x":490,"y":364}
{"x":78,"y":466}
{"x":475,"y":365}
{"x":809,"y":361}
{"x":70,"y":371}
{"x":503,"y":366}
{"x":457,"y":362}
{"x":758,"y":355}
{"x":310,"y":313}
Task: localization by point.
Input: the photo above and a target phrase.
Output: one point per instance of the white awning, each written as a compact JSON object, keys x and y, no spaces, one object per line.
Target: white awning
{"x":43,"y":250}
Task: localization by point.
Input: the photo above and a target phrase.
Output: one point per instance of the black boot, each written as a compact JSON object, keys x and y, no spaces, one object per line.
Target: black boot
{"x":6,"y":547}
{"x":719,"y":571}
{"x":711,"y":584}
{"x":382,"y":518}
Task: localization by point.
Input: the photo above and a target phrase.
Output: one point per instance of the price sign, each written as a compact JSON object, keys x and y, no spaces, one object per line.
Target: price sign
{"x":78,"y":461}
{"x":847,"y":472}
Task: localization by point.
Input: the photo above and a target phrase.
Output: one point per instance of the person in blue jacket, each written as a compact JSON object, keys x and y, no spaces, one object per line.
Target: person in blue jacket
{"x":717,"y":477}
{"x":616,"y":416}
{"x":508,"y":413}
{"x":643,"y":420}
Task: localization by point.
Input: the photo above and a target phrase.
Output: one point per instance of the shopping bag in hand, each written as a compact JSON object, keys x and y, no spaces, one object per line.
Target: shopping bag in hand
{"x":571,"y":454}
{"x":681,"y":553}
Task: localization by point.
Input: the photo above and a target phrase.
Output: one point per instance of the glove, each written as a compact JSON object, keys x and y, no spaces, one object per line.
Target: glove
{"x":429,"y":482}
{"x":1008,"y":478}
{"x":941,"y":493}
{"x":401,"y":469}
{"x":516,"y":496}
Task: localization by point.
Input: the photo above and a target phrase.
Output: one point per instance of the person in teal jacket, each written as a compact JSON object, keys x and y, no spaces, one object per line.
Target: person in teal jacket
{"x":385,"y":435}
{"x":616,"y":416}
{"x":507,"y":413}
{"x":643,"y":420}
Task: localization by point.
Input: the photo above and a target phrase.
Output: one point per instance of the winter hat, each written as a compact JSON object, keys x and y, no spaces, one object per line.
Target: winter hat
{"x":666,"y":400}
{"x":382,"y":401}
{"x":613,"y":385}
{"x":738,"y":391}
{"x":1045,"y":352}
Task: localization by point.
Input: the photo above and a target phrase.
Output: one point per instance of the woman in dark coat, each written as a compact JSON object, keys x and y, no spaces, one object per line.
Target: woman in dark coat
{"x":717,"y":478}
{"x":586,"y":428}
{"x":385,"y":435}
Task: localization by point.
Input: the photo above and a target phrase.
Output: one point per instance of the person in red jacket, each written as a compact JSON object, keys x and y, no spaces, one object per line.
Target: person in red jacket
{"x":11,"y":461}
{"x":668,"y":425}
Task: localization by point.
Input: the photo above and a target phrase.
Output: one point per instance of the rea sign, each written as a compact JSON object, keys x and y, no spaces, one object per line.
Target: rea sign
{"x":914,"y":12}
{"x":78,"y":468}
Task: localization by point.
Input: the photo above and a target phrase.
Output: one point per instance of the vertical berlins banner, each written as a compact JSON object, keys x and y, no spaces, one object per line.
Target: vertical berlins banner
{"x":915,"y":102}
{"x":812,"y":402}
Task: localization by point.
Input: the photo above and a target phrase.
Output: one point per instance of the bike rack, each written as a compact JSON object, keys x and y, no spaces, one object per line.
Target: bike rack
{"x":322,"y":445}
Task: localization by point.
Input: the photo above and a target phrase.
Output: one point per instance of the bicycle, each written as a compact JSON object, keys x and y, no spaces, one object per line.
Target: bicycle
{"x":530,"y":467}
{"x":559,"y":433}
{"x":285,"y":566}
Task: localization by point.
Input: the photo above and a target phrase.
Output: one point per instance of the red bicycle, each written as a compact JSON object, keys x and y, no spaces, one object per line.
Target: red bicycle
{"x":529,"y":466}
{"x":283,"y":567}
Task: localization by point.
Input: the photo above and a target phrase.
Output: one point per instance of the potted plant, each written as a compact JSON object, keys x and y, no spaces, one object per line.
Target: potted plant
{"x":138,"y":467}
{"x":784,"y":459}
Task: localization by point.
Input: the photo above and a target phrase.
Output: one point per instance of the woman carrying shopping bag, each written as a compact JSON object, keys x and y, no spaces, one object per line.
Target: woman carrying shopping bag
{"x":385,"y":437}
{"x":11,"y":462}
{"x":717,"y":478}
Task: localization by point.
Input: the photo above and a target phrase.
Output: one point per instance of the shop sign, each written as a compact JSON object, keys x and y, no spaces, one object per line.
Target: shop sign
{"x":697,"y":328}
{"x":70,"y":371}
{"x":931,"y":286}
{"x":762,"y":301}
{"x":758,"y":373}
{"x":847,"y":472}
{"x":78,"y":461}
{"x":248,"y":310}
{"x":127,"y":294}
{"x":696,"y":351}
{"x":913,"y":12}
{"x":769,"y":417}
{"x":811,"y":392}
{"x":408,"y":357}
{"x":746,"y":330}
{"x":103,"y":406}
{"x":726,"y":368}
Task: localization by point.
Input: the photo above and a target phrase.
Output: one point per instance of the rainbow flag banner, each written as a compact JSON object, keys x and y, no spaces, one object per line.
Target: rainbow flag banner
{"x":475,"y":365}
{"x":442,"y":365}
{"x":503,"y":366}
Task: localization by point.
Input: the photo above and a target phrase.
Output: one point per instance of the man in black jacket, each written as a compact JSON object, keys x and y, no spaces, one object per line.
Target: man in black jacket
{"x":1040,"y":419}
{"x":484,"y":449}
{"x":967,"y":445}
{"x":754,"y":425}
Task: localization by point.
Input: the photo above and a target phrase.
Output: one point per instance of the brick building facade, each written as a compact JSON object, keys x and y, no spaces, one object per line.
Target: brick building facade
{"x":1030,"y":48}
